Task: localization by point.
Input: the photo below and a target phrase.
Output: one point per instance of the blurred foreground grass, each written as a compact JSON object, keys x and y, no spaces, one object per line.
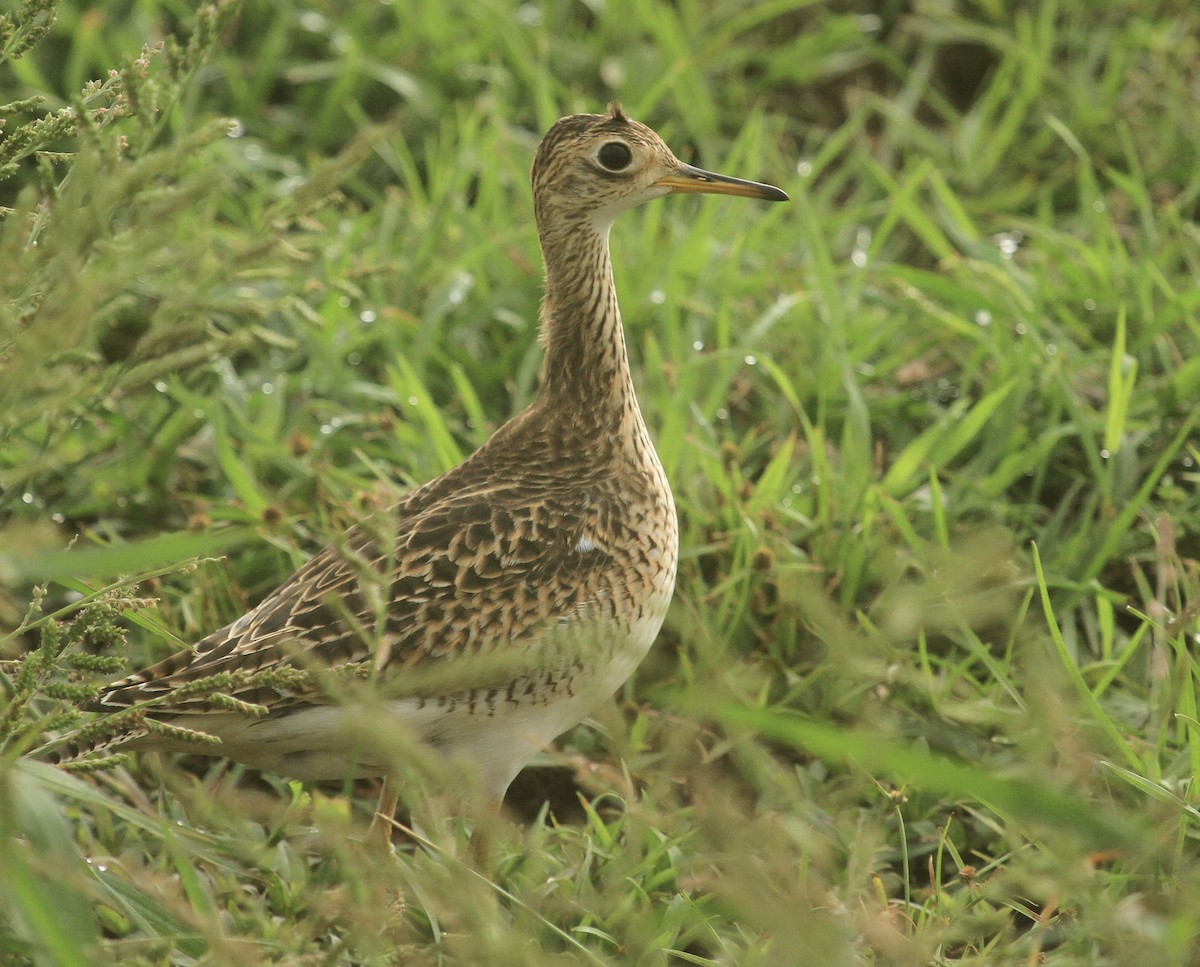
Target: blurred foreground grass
{"x":927,"y":693}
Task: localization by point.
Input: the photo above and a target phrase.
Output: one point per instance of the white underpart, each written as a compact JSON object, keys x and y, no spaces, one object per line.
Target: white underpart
{"x":312,"y":743}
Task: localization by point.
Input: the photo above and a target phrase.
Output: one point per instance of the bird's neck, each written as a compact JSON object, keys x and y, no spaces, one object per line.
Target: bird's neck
{"x":586,"y":365}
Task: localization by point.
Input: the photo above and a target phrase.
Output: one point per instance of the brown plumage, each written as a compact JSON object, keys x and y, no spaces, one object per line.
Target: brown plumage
{"x":497,"y":605}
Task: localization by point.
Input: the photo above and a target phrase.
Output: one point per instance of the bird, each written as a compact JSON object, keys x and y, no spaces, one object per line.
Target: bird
{"x":497,"y":605}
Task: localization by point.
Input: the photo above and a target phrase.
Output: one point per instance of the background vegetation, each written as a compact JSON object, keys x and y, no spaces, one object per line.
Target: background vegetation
{"x":927,"y":692}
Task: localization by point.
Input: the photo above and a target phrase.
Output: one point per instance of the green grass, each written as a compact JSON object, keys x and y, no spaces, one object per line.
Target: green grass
{"x":927,"y":691}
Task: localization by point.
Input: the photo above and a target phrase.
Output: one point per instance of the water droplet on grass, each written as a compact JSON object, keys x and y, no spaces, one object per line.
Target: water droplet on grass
{"x":459,"y":287}
{"x":1008,"y":243}
{"x":862,"y":242}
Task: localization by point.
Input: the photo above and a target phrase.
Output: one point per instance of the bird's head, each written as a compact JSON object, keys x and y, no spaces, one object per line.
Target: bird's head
{"x":595,"y":166}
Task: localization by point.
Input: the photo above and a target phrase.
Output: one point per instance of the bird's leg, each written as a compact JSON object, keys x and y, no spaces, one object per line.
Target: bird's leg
{"x":479,"y":845}
{"x":382,"y":826}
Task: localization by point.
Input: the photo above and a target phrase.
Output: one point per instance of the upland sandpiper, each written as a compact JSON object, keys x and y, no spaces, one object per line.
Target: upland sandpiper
{"x":494,"y":607}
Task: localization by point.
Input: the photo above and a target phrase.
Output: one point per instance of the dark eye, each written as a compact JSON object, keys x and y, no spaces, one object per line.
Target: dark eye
{"x":615,"y":156}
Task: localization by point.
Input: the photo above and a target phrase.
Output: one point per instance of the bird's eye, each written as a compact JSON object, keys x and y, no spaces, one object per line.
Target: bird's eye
{"x":615,"y":155}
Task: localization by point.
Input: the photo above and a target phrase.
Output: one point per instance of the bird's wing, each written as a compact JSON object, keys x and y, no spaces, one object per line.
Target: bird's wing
{"x":475,"y":573}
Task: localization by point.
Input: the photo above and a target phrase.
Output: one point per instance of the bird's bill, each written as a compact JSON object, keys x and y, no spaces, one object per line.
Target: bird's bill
{"x":690,"y":179}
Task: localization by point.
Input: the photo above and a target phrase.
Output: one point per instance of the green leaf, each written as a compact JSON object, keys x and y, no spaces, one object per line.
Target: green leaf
{"x":115,"y":559}
{"x":1014,"y":796}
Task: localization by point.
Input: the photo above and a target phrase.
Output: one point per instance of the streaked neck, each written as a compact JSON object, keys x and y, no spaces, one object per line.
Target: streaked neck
{"x":586,"y":363}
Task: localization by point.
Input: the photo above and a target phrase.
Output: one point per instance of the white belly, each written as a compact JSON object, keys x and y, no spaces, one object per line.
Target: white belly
{"x":492,"y":735}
